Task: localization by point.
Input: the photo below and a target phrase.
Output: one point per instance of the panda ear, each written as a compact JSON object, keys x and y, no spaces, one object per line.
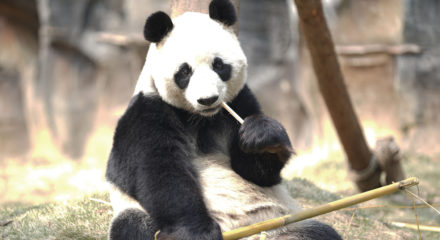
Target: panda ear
{"x":157,"y":26}
{"x":223,"y":11}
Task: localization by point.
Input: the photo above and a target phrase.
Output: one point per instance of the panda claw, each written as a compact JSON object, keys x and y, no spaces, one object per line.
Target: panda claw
{"x":261,"y":134}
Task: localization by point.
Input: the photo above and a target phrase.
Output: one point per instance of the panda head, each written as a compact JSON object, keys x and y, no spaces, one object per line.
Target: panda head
{"x":195,"y":61}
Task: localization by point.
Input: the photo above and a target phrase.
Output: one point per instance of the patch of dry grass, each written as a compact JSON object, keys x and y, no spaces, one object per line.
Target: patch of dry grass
{"x":85,"y":219}
{"x":373,"y":219}
{"x":74,"y":219}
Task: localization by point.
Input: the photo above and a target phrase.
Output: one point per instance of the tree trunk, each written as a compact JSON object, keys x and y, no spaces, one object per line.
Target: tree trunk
{"x":332,"y":87}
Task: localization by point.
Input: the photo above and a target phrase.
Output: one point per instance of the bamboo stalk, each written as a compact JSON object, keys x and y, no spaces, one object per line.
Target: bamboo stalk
{"x":415,"y":226}
{"x":322,"y":209}
{"x":313,"y":212}
{"x":232,"y":112}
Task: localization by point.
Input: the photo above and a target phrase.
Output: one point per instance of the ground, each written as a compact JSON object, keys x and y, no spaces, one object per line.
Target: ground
{"x":86,"y":218}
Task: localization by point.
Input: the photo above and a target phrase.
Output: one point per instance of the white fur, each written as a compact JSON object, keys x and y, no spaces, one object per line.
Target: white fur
{"x":195,"y":39}
{"x":232,"y":201}
{"x":205,"y":83}
{"x":121,"y":201}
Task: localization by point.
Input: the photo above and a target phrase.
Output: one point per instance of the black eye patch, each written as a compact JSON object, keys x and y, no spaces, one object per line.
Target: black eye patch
{"x":222,"y":69}
{"x":182,"y":76}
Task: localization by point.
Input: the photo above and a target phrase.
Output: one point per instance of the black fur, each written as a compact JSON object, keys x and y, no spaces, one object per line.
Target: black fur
{"x":157,"y":26}
{"x":222,"y":69}
{"x":223,"y":11}
{"x":151,"y":161}
{"x":132,"y":224}
{"x":255,"y":165}
{"x":311,"y":230}
{"x":260,"y":134}
{"x":208,"y":101}
{"x":183,"y":75}
{"x":208,"y":232}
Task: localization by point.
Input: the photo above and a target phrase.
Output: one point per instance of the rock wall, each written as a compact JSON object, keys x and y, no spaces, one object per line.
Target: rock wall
{"x":418,"y":81}
{"x":388,"y":53}
{"x":68,"y":68}
{"x":64,"y":69}
{"x":18,"y":51}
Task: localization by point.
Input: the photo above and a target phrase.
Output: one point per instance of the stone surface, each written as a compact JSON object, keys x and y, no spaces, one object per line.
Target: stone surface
{"x":419,"y":77}
{"x":60,"y":75}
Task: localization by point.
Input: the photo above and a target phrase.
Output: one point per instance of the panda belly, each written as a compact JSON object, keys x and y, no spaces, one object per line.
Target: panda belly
{"x":235,"y":202}
{"x":231,"y":200}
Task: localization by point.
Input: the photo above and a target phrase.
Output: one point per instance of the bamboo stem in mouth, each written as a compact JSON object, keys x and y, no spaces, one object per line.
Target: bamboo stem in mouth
{"x":322,"y":209}
{"x":232,"y":112}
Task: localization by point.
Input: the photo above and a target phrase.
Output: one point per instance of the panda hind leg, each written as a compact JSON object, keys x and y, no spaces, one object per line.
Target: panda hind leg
{"x":310,"y":230}
{"x":132,"y":224}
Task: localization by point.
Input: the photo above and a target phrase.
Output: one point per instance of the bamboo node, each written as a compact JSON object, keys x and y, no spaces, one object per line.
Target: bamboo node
{"x":409,"y":182}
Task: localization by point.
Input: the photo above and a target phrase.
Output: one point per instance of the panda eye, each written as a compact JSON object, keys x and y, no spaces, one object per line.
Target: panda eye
{"x":182,"y":76}
{"x":223,"y":70}
{"x":217,"y":64}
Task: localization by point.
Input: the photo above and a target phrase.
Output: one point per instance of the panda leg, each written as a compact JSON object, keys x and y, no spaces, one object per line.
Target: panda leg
{"x":132,"y":224}
{"x":309,"y":230}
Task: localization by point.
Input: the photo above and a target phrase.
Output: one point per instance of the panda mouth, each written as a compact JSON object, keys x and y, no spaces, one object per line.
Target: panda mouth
{"x":211,"y":110}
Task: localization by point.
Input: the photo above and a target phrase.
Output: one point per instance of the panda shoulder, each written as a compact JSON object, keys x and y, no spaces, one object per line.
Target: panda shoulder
{"x":245,"y":103}
{"x":142,"y":110}
{"x":147,"y":102}
{"x":141,"y":103}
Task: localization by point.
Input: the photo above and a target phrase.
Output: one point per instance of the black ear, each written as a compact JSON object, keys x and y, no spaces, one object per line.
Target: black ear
{"x":222,"y":11}
{"x":158,"y":25}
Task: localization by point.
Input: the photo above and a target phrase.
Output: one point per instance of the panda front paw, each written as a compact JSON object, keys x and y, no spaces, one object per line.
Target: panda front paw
{"x":211,"y":231}
{"x":262,"y":134}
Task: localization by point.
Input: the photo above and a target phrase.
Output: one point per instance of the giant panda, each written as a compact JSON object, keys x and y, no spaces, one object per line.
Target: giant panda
{"x":180,"y":166}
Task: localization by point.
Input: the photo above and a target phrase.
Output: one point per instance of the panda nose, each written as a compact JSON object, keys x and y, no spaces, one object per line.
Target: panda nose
{"x":207,"y":101}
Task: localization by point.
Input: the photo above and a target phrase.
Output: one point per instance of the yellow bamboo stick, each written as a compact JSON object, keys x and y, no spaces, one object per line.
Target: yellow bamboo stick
{"x":313,"y":212}
{"x":232,"y":112}
{"x":416,"y":227}
{"x":322,"y":209}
